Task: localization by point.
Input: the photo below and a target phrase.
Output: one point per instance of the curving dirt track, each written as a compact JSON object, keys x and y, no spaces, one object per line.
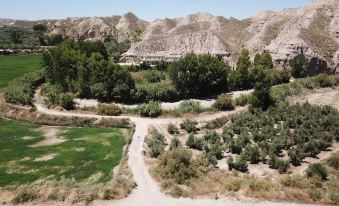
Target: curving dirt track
{"x":148,"y":191}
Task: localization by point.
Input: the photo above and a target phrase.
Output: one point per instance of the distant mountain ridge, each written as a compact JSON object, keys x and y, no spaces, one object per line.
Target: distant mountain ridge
{"x":312,"y":29}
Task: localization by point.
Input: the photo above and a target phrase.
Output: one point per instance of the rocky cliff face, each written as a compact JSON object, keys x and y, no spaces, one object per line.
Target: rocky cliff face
{"x":312,"y":29}
{"x":123,"y":27}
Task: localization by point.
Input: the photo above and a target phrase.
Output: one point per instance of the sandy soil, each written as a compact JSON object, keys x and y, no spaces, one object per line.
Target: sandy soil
{"x":326,"y":96}
{"x":148,"y":192}
{"x":45,"y":158}
{"x":51,"y":137}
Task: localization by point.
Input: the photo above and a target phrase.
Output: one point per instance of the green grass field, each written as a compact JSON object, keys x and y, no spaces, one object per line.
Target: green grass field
{"x":12,"y":67}
{"x":85,"y":153}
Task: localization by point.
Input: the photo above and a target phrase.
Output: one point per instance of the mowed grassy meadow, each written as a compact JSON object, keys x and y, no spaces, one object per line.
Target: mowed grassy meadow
{"x":12,"y":67}
{"x":86,"y":154}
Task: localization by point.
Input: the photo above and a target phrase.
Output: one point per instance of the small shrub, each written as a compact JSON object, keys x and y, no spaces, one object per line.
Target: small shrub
{"x":233,"y":184}
{"x":294,"y":181}
{"x":109,"y":109}
{"x":150,"y":109}
{"x":334,"y":162}
{"x":156,"y":144}
{"x":315,"y":194}
{"x":66,"y":101}
{"x":259,"y":185}
{"x":317,"y":169}
{"x":189,"y":125}
{"x":194,"y":143}
{"x":334,"y":196}
{"x":177,"y":164}
{"x":224,"y":102}
{"x":242,"y":100}
{"x":175,"y":143}
{"x":25,"y":195}
{"x":190,"y":106}
{"x":240,"y":164}
{"x":172,"y":129}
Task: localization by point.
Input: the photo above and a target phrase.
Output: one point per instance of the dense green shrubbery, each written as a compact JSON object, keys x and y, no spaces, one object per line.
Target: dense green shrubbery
{"x":189,"y":125}
{"x":150,"y":109}
{"x":155,"y":92}
{"x":83,"y":68}
{"x":55,"y":97}
{"x":314,"y":130}
{"x":66,"y":101}
{"x":224,"y":102}
{"x":21,"y":90}
{"x":190,"y":106}
{"x":243,"y":99}
{"x":153,"y":76}
{"x":109,"y":109}
{"x":195,"y":75}
{"x":156,"y":144}
{"x":177,"y":164}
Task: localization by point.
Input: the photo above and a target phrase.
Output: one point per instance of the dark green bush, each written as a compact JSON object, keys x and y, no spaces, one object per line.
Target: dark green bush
{"x":189,"y":125}
{"x":109,"y":109}
{"x":150,"y":109}
{"x":317,"y":169}
{"x":156,"y":144}
{"x":194,"y":143}
{"x":66,"y":101}
{"x":175,"y":143}
{"x":224,"y":102}
{"x":172,"y":129}
{"x":240,"y":164}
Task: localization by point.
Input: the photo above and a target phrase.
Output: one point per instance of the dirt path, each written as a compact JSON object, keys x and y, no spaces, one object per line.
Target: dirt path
{"x":208,"y":102}
{"x":148,"y":191}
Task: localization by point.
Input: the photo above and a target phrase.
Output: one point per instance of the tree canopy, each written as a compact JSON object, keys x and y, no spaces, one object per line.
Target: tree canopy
{"x":196,"y":75}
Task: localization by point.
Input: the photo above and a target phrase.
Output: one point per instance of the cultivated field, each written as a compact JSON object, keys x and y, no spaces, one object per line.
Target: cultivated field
{"x":12,"y":67}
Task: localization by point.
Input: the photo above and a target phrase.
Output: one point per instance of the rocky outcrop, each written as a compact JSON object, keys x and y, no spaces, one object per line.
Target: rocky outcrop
{"x":123,"y":27}
{"x":312,"y":29}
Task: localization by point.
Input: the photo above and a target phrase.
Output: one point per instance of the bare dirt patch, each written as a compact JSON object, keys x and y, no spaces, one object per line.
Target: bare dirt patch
{"x":45,"y":158}
{"x":51,"y":135}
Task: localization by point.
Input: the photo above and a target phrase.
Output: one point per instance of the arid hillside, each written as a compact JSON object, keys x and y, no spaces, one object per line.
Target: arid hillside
{"x":313,"y":29}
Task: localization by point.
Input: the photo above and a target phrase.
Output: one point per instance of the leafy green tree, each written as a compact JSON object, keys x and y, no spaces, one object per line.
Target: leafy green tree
{"x":16,"y":36}
{"x":195,"y":75}
{"x":263,"y":60}
{"x":261,"y":96}
{"x":243,"y":66}
{"x":299,"y":65}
